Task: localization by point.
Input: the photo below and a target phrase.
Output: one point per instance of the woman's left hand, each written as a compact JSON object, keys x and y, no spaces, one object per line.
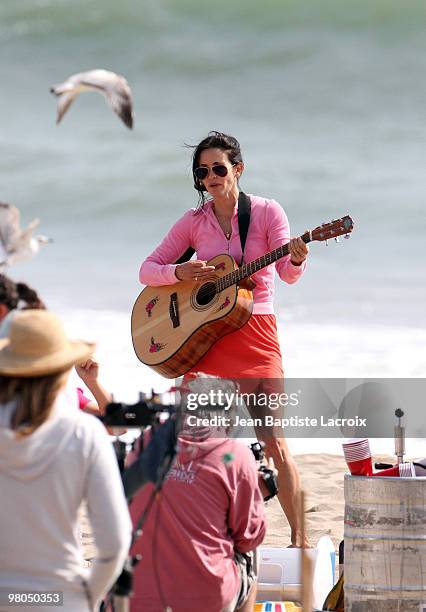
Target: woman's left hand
{"x":298,"y":251}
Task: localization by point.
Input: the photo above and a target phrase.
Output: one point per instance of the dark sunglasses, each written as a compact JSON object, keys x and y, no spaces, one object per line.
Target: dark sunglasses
{"x":202,"y":173}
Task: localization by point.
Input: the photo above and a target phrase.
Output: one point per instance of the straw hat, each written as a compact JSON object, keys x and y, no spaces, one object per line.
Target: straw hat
{"x":38,"y":346}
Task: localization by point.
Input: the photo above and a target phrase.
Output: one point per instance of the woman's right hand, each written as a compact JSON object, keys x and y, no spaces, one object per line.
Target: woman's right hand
{"x":194,"y":270}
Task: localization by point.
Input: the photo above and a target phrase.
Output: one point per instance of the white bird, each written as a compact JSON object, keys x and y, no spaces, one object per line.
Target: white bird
{"x":113,"y":86}
{"x":17,"y":244}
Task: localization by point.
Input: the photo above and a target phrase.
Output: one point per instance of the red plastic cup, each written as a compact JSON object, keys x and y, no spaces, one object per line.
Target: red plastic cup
{"x":358,"y":457}
{"x":403,"y":470}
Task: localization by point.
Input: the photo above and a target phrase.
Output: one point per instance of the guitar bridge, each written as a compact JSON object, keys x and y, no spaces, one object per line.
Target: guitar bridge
{"x":174,"y":310}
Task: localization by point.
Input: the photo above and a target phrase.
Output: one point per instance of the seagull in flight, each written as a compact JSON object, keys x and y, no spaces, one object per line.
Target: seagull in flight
{"x":113,"y":86}
{"x":17,"y":244}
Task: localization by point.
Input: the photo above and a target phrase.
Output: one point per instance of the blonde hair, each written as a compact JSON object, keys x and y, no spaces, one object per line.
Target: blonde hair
{"x":35,"y":398}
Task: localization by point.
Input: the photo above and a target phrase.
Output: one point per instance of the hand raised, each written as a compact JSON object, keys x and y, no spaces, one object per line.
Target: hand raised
{"x":88,"y":370}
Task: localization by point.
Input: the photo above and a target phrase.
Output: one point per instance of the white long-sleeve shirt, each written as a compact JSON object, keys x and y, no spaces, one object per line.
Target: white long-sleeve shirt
{"x":43,"y":479}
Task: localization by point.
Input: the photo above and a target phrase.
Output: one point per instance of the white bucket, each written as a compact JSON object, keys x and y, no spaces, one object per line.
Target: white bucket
{"x":280,"y":572}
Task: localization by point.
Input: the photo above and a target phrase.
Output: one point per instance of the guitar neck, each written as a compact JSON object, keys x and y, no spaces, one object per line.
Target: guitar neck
{"x":257,"y":264}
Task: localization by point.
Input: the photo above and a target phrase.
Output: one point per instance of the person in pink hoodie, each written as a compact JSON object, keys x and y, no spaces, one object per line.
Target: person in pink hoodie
{"x":252,"y":352}
{"x":203,"y":526}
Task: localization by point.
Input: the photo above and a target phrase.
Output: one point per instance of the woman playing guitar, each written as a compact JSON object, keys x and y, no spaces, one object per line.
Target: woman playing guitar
{"x":252,"y":352}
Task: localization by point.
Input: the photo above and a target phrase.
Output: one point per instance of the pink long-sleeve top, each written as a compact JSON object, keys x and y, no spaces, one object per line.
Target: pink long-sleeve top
{"x":200,"y":229}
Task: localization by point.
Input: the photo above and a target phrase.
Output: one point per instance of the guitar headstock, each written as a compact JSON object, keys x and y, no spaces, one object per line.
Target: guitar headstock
{"x":337,"y":227}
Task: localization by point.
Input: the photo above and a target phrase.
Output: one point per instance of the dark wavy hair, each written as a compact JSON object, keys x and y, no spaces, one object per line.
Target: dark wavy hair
{"x":214,"y":140}
{"x":11,"y":294}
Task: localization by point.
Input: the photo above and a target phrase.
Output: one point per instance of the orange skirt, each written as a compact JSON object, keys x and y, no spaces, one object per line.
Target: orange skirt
{"x":253,"y":351}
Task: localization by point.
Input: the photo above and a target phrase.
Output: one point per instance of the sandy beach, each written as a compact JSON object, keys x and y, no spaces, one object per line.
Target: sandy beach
{"x":322,"y":481}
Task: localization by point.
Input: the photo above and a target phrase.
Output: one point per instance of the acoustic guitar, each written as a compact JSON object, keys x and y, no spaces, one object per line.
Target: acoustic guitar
{"x":173,"y":326}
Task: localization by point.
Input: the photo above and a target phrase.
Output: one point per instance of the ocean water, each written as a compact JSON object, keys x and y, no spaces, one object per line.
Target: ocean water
{"x":328,"y":102}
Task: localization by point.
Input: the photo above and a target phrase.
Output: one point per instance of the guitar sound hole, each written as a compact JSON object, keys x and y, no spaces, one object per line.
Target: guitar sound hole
{"x":205,"y":294}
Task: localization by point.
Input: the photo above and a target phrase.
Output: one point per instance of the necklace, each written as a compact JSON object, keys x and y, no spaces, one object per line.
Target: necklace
{"x":225,"y":224}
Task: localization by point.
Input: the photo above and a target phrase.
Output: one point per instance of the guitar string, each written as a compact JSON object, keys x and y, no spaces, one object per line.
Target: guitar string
{"x":246,"y":270}
{"x":232,"y":278}
{"x":334,"y":229}
{"x":222,"y":283}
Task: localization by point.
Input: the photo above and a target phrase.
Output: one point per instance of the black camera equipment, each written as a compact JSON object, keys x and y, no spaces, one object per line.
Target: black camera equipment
{"x":257,"y":450}
{"x":268,"y":475}
{"x":142,"y":414}
{"x":152,"y":464}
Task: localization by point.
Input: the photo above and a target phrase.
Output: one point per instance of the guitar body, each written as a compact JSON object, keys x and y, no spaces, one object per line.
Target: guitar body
{"x":173,"y":326}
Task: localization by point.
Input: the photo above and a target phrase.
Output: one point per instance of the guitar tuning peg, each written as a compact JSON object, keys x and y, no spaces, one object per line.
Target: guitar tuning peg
{"x":336,"y":239}
{"x":347,"y":236}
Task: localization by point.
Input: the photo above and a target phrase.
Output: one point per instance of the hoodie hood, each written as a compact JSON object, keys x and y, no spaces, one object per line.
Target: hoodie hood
{"x":28,"y":457}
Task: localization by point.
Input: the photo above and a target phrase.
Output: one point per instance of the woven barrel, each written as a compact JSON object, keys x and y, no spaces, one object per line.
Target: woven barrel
{"x":385,"y":544}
